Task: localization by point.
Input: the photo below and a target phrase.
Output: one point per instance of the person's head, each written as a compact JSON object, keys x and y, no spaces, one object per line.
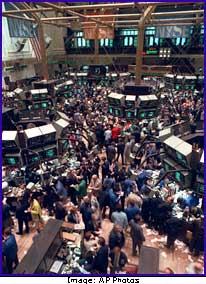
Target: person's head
{"x":137,"y":218}
{"x":94,"y":177}
{"x":198,"y":268}
{"x":74,"y":209}
{"x":34,"y":196}
{"x":180,"y":200}
{"x":118,"y":207}
{"x":168,"y":270}
{"x":86,"y":200}
{"x":87,"y":235}
{"x":116,"y":228}
{"x":7,"y":232}
{"x":170,"y":199}
{"x":101,"y":241}
{"x":157,"y":194}
{"x":117,"y":187}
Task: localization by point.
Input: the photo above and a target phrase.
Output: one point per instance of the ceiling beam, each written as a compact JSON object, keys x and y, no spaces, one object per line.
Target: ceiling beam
{"x":59,"y":8}
{"x":19,"y":17}
{"x":178,"y":13}
{"x":152,"y":20}
{"x":59,"y":18}
{"x":157,"y":25}
{"x":108,"y":16}
{"x":99,"y":6}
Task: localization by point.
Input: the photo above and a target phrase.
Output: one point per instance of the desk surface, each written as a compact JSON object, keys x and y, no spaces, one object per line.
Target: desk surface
{"x":39,"y":248}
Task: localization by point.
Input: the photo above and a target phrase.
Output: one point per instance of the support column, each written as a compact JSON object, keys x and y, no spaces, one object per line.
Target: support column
{"x":140,"y":42}
{"x":139,"y":50}
{"x":45,"y":71}
{"x":96,"y":46}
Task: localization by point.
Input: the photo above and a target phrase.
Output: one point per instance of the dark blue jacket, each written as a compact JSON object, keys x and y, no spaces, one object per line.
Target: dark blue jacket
{"x":131,"y":212}
{"x":113,"y":199}
{"x":101,"y":260}
{"x":9,"y":249}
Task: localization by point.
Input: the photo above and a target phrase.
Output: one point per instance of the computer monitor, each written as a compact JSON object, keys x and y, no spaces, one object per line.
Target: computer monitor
{"x":169,"y":164}
{"x":178,"y":176}
{"x":11,"y":161}
{"x":65,"y":144}
{"x":150,"y":114}
{"x":44,"y":104}
{"x":111,"y":110}
{"x":35,"y":141}
{"x":130,"y":114}
{"x":142,"y":115}
{"x":183,"y":177}
{"x":117,"y":112}
{"x":66,"y":87}
{"x":9,"y":144}
{"x":35,"y":97}
{"x":50,"y":153}
{"x":43,"y":96}
{"x":34,"y":159}
{"x":181,"y":158}
{"x":200,"y":188}
{"x":36,"y":106}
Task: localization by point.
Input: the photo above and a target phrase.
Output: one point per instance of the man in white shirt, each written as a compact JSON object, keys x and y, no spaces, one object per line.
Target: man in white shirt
{"x":108,"y":135}
{"x":119,"y":217}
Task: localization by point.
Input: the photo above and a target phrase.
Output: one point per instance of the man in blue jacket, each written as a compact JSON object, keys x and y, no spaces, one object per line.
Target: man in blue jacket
{"x":9,"y":250}
{"x":100,"y":263}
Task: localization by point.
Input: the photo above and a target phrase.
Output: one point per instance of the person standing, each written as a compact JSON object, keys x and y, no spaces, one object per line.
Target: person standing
{"x":136,"y":234}
{"x":119,"y":217}
{"x":22,"y":216}
{"x":111,"y":152}
{"x":100,"y":263}
{"x":9,"y":250}
{"x":120,"y":150}
{"x":127,"y":152}
{"x":36,"y":212}
{"x":116,"y":237}
{"x":115,"y":133}
{"x":108,"y":135}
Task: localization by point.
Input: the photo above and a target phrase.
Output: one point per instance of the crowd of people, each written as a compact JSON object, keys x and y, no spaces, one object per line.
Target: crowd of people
{"x":114,"y":181}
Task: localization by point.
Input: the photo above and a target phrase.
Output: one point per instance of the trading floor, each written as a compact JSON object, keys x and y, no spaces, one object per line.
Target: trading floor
{"x":103,"y":138}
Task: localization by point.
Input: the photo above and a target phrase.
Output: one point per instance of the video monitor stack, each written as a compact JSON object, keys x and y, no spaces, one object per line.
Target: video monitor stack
{"x":199,"y":184}
{"x":40,"y":99}
{"x":147,"y":106}
{"x":61,"y":126}
{"x":183,"y":83}
{"x":10,"y":148}
{"x":116,"y":104}
{"x":39,"y":140}
{"x":130,"y":107}
{"x":65,"y":89}
{"x":178,"y":158}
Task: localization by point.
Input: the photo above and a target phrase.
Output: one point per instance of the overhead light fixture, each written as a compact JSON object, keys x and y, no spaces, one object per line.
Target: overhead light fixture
{"x":165,"y":52}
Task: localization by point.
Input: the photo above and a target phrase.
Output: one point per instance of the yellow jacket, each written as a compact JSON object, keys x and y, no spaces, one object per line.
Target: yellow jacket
{"x":36,"y":209}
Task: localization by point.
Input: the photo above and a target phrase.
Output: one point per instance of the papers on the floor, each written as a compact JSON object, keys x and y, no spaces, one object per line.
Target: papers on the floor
{"x":56,"y":266}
